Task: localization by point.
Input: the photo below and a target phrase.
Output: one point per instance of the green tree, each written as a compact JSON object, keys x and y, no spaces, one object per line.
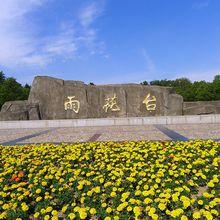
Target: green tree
{"x":11,"y":90}
{"x":144,"y":83}
{"x":2,"y":77}
{"x":196,"y":91}
{"x":216,"y":87}
{"x":202,"y":91}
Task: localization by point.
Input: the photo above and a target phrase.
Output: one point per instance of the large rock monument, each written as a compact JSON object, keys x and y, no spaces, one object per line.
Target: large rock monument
{"x":52,"y":98}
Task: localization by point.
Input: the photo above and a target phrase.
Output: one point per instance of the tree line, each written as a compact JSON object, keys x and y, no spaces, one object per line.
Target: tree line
{"x":11,"y":90}
{"x":192,"y":91}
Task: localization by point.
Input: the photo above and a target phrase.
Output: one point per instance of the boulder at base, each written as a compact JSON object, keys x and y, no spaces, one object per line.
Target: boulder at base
{"x":19,"y":110}
{"x":201,"y":107}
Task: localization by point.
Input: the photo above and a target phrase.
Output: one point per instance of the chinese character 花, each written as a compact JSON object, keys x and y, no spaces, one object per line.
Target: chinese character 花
{"x":110,"y":103}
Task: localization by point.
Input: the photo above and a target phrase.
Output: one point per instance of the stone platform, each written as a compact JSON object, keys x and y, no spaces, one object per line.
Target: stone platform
{"x":175,"y":128}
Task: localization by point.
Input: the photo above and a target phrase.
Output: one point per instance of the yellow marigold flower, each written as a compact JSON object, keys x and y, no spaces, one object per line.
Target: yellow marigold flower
{"x":207,"y":195}
{"x":109,"y":210}
{"x":214,"y":212}
{"x":130,"y":179}
{"x":208,"y":215}
{"x":44,"y":183}
{"x":36,"y":214}
{"x":5,"y":206}
{"x":113,"y":194}
{"x":101,"y":180}
{"x":38,"y":191}
{"x":129,"y":208}
{"x":147,"y":200}
{"x":97,"y":189}
{"x":42,"y":211}
{"x":82,"y":214}
{"x":49,"y":209}
{"x":154,"y":216}
{"x":116,"y":218}
{"x":92,"y":211}
{"x":3,"y":215}
{"x":158,"y":180}
{"x":146,"y":193}
{"x":162,"y":206}
{"x":175,"y":213}
{"x":54,"y":212}
{"x":125,"y":195}
{"x":146,"y":187}
{"x":65,"y":208}
{"x":137,"y":193}
{"x":107,"y":218}
{"x":38,"y":199}
{"x":186,"y":201}
{"x":137,"y":210}
{"x":120,"y":207}
{"x":46,"y":217}
{"x":103,"y":205}
{"x":196,"y":215}
{"x":89,"y":193}
{"x":184,"y":217}
{"x":71,"y":216}
{"x":24,"y":207}
{"x":151,"y":211}
{"x":200,"y":202}
{"x":55,"y":218}
{"x":80,"y":187}
{"x":210,"y":184}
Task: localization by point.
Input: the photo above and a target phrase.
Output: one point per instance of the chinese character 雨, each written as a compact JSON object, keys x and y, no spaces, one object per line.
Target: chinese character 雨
{"x":111,"y":104}
{"x":72,"y":104}
{"x":150,"y":102}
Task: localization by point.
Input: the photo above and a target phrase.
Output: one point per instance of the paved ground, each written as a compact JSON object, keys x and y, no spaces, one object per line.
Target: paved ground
{"x":114,"y":133}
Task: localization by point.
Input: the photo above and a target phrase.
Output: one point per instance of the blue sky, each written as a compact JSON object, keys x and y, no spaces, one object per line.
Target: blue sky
{"x":110,"y":41}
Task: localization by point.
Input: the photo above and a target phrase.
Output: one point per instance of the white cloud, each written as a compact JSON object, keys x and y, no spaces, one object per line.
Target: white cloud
{"x":149,"y":62}
{"x":20,"y":43}
{"x":89,"y":13}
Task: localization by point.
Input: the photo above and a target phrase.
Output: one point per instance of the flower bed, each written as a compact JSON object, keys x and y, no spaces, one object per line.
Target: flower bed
{"x":108,"y":180}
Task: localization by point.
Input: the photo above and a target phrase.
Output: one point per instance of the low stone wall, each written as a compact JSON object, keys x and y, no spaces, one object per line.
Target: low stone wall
{"x":201,"y":107}
{"x":93,"y":122}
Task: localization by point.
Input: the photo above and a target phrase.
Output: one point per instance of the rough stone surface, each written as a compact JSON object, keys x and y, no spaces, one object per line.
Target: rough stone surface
{"x":20,"y":110}
{"x":91,"y":101}
{"x":14,"y":106}
{"x":13,"y":116}
{"x":200,"y":108}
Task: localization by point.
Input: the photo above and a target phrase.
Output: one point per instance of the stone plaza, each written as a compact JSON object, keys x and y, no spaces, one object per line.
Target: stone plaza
{"x":172,"y":128}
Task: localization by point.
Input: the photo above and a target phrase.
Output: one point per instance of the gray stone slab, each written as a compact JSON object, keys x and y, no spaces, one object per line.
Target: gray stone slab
{"x":163,"y":120}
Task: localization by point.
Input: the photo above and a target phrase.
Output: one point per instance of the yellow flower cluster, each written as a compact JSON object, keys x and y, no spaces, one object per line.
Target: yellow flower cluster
{"x":110,"y":180}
